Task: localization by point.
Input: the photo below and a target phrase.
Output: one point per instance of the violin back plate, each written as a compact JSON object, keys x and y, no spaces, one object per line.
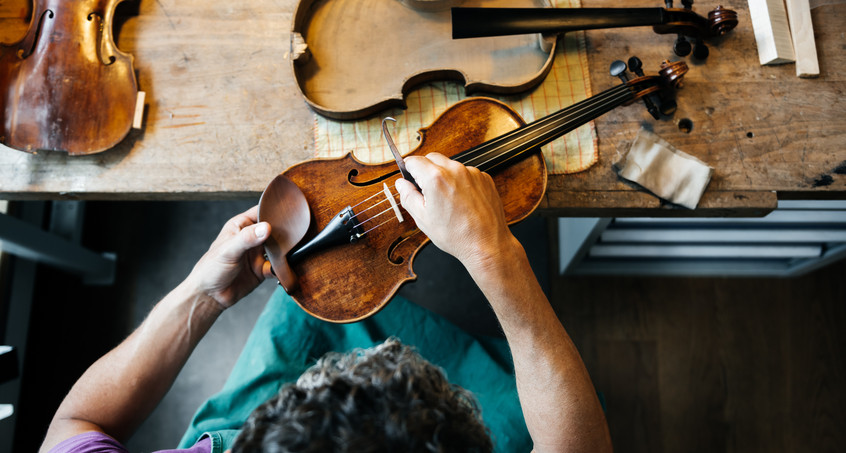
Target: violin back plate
{"x":65,"y":86}
{"x":358,"y":57}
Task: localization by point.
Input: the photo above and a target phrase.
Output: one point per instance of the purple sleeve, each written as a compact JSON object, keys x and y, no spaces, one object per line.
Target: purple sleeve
{"x":97,"y":442}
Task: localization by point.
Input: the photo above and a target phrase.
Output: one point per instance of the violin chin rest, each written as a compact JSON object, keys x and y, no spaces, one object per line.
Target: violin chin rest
{"x":283,"y":205}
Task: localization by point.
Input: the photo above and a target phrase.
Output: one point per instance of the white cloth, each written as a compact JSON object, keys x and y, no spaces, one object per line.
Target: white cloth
{"x":667,"y":172}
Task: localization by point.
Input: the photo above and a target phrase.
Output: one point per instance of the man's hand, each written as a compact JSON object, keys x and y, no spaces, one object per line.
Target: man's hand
{"x":459,"y":208}
{"x":119,"y":391}
{"x":234,"y":265}
{"x":461,"y":212}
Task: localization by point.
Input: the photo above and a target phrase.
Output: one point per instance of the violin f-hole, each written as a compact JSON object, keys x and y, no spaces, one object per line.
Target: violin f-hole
{"x":101,"y":40}
{"x":28,"y":45}
{"x":393,"y":257}
{"x":351,"y":177}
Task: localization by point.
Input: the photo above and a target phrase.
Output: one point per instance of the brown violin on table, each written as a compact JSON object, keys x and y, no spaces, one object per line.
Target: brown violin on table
{"x":65,"y":86}
{"x":341,"y":245}
{"x":480,"y":22}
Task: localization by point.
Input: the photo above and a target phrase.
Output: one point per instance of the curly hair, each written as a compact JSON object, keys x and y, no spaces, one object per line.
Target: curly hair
{"x":383,"y":399}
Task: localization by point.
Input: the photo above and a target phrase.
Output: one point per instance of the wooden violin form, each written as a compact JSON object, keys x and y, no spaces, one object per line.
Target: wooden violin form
{"x":342,"y":245}
{"x":65,"y":86}
{"x":480,"y":22}
{"x":355,"y":58}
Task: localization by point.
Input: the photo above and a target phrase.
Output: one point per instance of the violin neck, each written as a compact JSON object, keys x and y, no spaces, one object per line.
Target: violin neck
{"x":508,"y":148}
{"x":478,"y":22}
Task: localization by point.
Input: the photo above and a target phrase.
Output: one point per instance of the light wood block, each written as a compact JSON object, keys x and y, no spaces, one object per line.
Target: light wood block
{"x":802,"y":31}
{"x":138,"y":118}
{"x":772,"y":33}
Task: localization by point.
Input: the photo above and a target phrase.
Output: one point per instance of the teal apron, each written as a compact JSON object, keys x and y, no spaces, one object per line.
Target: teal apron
{"x":286,"y":341}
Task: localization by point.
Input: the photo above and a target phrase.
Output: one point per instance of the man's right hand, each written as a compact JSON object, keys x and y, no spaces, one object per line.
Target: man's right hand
{"x":459,"y":208}
{"x":461,"y":212}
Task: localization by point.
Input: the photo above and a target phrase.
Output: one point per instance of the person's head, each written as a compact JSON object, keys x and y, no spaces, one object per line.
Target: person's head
{"x":383,"y":399}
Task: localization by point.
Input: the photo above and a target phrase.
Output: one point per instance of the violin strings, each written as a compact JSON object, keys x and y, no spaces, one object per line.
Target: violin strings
{"x":366,"y":199}
{"x":555,"y":118}
{"x":540,"y":130}
{"x":539,"y":137}
{"x":388,"y":209}
{"x":370,"y":218}
{"x":549,"y":125}
{"x":377,"y":226}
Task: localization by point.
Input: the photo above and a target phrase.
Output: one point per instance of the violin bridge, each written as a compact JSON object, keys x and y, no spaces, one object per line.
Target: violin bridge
{"x":390,"y":197}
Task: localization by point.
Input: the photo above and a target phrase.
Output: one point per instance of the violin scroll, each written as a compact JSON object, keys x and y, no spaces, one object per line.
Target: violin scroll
{"x":722,"y":21}
{"x":690,"y":26}
{"x":672,"y":72}
{"x":655,"y":90}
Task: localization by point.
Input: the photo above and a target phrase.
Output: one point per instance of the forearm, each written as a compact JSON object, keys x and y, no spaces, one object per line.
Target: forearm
{"x":558,"y":399}
{"x":118,"y":392}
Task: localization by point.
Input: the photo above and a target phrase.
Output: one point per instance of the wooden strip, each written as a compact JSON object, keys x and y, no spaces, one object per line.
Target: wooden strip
{"x":772,"y":33}
{"x":631,"y":203}
{"x":138,"y":118}
{"x":802,"y":31}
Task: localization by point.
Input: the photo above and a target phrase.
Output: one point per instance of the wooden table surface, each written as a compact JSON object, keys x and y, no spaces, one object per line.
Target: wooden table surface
{"x":224,"y":114}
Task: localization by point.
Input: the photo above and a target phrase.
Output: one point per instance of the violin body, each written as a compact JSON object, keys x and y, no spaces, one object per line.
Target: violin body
{"x":354,"y":58}
{"x":341,"y":245}
{"x":351,"y":282}
{"x":65,"y":86}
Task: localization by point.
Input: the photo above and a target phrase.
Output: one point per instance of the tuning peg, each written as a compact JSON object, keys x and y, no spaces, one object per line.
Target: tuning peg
{"x":681,"y":47}
{"x":618,"y":69}
{"x":688,"y":4}
{"x":700,"y":50}
{"x":651,"y":100}
{"x":668,"y":3}
{"x":636,"y":66}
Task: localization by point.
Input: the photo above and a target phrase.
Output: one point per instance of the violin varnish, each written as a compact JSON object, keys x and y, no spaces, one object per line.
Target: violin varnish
{"x":772,"y":32}
{"x":802,"y":31}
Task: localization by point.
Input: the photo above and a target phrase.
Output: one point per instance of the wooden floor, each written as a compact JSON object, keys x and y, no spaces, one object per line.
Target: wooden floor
{"x":715,"y":365}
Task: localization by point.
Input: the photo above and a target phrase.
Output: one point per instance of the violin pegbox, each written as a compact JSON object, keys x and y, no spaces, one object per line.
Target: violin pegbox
{"x":656,"y":91}
{"x":689,"y":27}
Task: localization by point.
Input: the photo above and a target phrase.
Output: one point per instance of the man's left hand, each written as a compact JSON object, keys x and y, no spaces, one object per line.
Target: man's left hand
{"x":234,"y":265}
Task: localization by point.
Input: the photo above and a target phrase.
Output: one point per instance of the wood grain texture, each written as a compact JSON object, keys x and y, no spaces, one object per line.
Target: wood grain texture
{"x":761,"y":128}
{"x":714,"y":364}
{"x":224,"y":115}
{"x":802,"y":33}
{"x":772,"y":31}
{"x":14,"y":17}
{"x":64,"y":86}
{"x":363,"y":57}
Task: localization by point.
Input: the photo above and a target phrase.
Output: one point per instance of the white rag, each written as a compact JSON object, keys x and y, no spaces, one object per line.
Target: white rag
{"x":667,"y":172}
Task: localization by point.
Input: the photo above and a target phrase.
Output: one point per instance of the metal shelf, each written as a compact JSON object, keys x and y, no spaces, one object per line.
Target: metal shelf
{"x":796,"y":238}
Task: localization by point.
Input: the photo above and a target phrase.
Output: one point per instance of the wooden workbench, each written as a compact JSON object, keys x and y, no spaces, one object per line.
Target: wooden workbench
{"x":224,"y":114}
